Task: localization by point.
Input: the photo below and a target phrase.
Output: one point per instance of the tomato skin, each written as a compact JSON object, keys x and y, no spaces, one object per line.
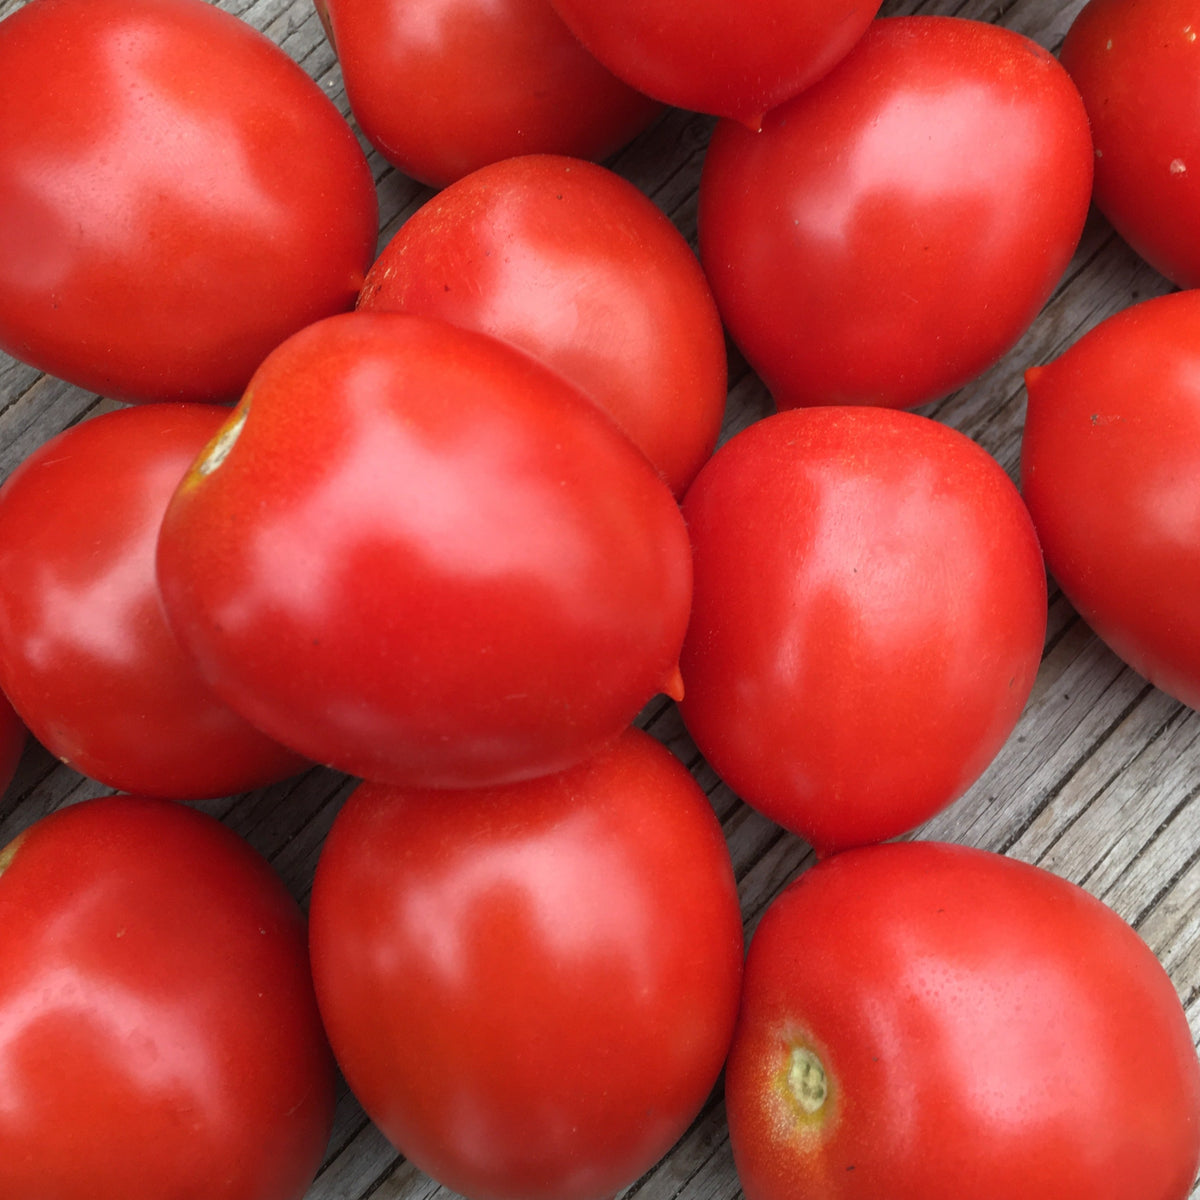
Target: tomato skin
{"x":532,"y":988}
{"x":1109,"y":470}
{"x":571,"y":263}
{"x":714,"y":57}
{"x":13,"y":736}
{"x":176,"y":197}
{"x":86,"y":655}
{"x":443,"y":87}
{"x":158,"y":1028}
{"x":868,"y":618}
{"x":426,"y":558}
{"x":1135,"y":65}
{"x":896,"y":227}
{"x":985,"y":1027}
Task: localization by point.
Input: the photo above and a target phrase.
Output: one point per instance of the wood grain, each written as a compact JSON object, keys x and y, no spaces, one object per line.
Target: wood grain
{"x":1097,"y":783}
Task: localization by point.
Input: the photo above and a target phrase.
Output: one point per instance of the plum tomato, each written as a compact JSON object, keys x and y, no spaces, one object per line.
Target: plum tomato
{"x":894,"y":229}
{"x":1136,"y":66}
{"x":86,"y":656}
{"x":936,"y":1021}
{"x":442,"y":87}
{"x":731,"y":60}
{"x":1110,"y":470}
{"x":868,"y":621}
{"x":13,"y":736}
{"x":418,"y":555}
{"x":177,"y":196}
{"x":159,"y":1034}
{"x":573,"y":264}
{"x":531,"y":988}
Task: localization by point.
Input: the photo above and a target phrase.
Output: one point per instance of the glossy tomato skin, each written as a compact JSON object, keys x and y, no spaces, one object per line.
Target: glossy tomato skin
{"x":1136,"y":65}
{"x":929,"y":1022}
{"x":895,"y":228}
{"x":734,"y":61}
{"x":158,"y":1028}
{"x":424,"y":558}
{"x":868,"y":621}
{"x":443,"y":87}
{"x":574,"y":265}
{"x":531,"y":989}
{"x":13,"y":736}
{"x":86,"y":655}
{"x":176,"y":197}
{"x":1109,"y":471}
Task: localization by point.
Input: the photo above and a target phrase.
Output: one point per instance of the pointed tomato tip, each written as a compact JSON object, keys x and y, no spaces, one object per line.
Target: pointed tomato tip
{"x":673,"y":686}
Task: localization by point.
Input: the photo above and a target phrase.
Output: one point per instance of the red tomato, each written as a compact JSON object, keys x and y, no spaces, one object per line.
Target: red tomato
{"x":733,"y":60}
{"x":176,"y":197}
{"x":936,"y":1022}
{"x":85,"y":652}
{"x":159,"y":1036}
{"x":13,"y":737}
{"x":1110,"y":469}
{"x":569,"y":262}
{"x":870,"y":609}
{"x":442,"y":87}
{"x":1136,"y":66}
{"x":531,"y":989}
{"x":420,"y":556}
{"x":895,"y":228}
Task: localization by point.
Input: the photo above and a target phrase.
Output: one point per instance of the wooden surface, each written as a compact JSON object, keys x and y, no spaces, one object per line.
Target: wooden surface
{"x":1098,"y":782}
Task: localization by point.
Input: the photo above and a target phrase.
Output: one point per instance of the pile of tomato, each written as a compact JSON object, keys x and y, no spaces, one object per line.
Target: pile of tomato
{"x":445,"y":515}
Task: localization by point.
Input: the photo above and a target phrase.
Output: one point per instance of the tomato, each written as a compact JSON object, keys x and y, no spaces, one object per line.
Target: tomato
{"x":734,"y":61}
{"x":895,"y":228}
{"x":531,"y":988}
{"x":13,"y":736}
{"x":86,"y":655}
{"x":1111,"y":473}
{"x":571,"y":263}
{"x":176,"y":197}
{"x":442,"y":87}
{"x":158,"y":1030}
{"x":420,"y":556}
{"x":869,"y":615}
{"x":934,"y":1021}
{"x":1136,"y":65}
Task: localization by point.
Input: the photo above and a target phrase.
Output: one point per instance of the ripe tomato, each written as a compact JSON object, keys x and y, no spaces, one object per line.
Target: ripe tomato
{"x":13,"y":736}
{"x":571,"y":263}
{"x":1110,"y":469}
{"x":895,"y":228}
{"x":420,"y":556}
{"x":159,"y":1036}
{"x":734,"y":61}
{"x":933,"y":1021}
{"x":1136,"y":66}
{"x":531,"y":988}
{"x":442,"y":87}
{"x":869,"y":614}
{"x":176,"y":197}
{"x":85,"y":652}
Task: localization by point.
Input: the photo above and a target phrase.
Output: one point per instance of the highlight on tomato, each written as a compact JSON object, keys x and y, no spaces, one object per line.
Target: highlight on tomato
{"x":86,"y":655}
{"x":159,"y":1035}
{"x":573,"y":264}
{"x":531,"y":988}
{"x":923,"y":1019}
{"x":868,"y":619}
{"x":418,"y":555}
